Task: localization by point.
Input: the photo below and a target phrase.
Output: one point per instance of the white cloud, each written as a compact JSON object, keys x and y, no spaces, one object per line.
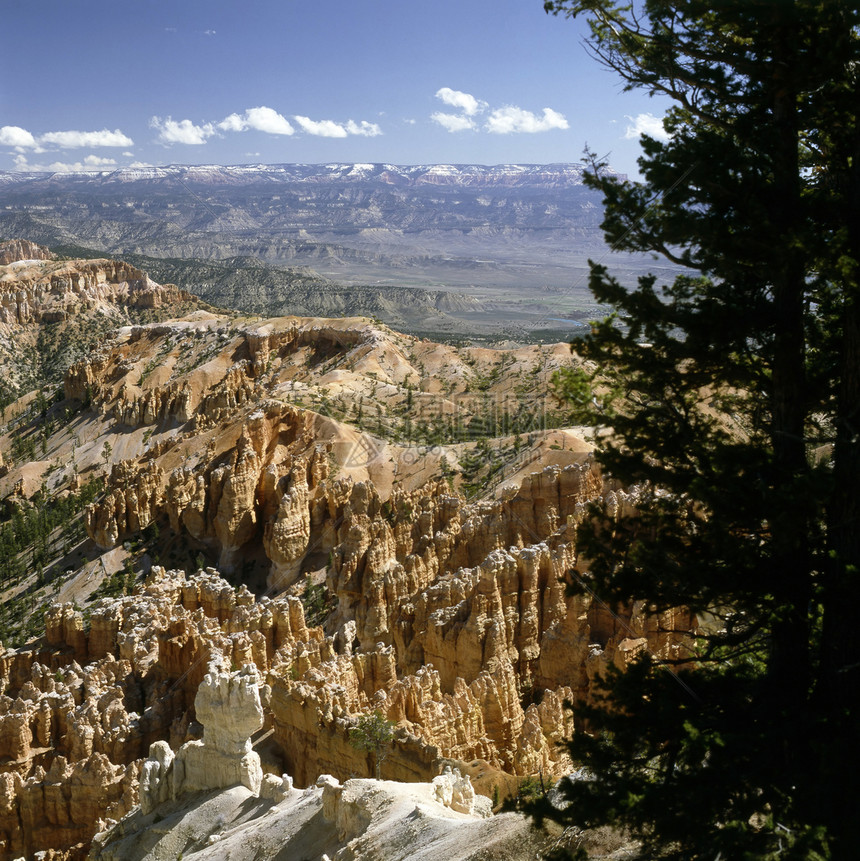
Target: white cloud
{"x":502,"y":121}
{"x":73,"y":139}
{"x":332,"y":129}
{"x":511,"y":119}
{"x":646,"y":124}
{"x":97,"y":161}
{"x":467,"y":103}
{"x":321,"y":128}
{"x":128,"y":154}
{"x":16,"y":136}
{"x":24,"y":140}
{"x":410,"y":122}
{"x":209,"y":32}
{"x":453,"y":122}
{"x":140,"y":164}
{"x":233,"y":123}
{"x":261,"y":119}
{"x":171,"y":131}
{"x":265,"y":119}
{"x":364,"y":128}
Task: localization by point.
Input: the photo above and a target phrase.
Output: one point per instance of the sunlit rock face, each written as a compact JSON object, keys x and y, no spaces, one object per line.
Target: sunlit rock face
{"x":35,"y":288}
{"x":228,"y":706}
{"x":451,"y":619}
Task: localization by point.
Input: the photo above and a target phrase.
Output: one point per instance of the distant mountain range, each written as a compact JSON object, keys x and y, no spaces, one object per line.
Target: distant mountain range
{"x":504,"y":234}
{"x":371,"y":214}
{"x":459,"y":175}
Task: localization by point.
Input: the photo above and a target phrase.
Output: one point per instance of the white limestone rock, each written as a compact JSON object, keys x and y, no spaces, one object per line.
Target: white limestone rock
{"x":154,"y":781}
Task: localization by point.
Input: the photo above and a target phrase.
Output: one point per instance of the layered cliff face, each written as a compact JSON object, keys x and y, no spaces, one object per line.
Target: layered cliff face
{"x":54,"y":311}
{"x":13,"y":250}
{"x":228,"y":430}
{"x":183,"y":813}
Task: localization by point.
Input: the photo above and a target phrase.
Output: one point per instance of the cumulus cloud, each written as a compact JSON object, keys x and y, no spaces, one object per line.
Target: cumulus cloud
{"x":453,"y":122}
{"x":22,"y":139}
{"x":98,"y":161}
{"x":364,"y":128}
{"x":261,"y":119}
{"x":72,"y":139}
{"x":332,"y":129}
{"x":172,"y":131}
{"x":233,"y":123}
{"x":321,"y":128}
{"x":511,"y":120}
{"x":16,"y":136}
{"x":265,"y":119}
{"x":209,"y":32}
{"x":467,"y":103}
{"x":646,"y":124}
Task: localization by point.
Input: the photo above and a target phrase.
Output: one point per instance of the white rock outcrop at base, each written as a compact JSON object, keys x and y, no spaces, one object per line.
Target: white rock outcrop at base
{"x":228,"y":705}
{"x":359,"y":819}
{"x":456,"y":791}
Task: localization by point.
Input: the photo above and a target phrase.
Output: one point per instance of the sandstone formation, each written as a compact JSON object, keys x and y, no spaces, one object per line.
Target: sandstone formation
{"x":228,"y":706}
{"x":452,"y":620}
{"x":41,"y":290}
{"x":236,"y":459}
{"x":13,"y":250}
{"x":359,"y":818}
{"x":281,"y":448}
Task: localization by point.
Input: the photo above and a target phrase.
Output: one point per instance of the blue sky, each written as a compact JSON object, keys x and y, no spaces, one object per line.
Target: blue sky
{"x":90,"y":84}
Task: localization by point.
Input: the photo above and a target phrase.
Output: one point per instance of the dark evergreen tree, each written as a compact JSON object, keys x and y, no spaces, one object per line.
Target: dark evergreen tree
{"x":733,"y":398}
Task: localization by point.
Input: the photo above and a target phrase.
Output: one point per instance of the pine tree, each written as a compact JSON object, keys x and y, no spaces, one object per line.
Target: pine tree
{"x":373,"y":733}
{"x":733,"y":398}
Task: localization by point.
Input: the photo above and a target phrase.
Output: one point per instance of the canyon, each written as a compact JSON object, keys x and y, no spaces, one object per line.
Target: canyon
{"x":314,"y":519}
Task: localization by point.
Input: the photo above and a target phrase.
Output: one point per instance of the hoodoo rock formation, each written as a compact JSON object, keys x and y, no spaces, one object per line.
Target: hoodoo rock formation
{"x":326,"y":465}
{"x":452,"y":620}
{"x":228,"y":706}
{"x":15,"y":250}
{"x":42,"y":290}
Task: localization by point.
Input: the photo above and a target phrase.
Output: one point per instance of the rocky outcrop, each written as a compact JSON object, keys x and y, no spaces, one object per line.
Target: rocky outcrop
{"x":67,"y":742}
{"x":453,"y":790}
{"x":451,"y":619}
{"x":13,"y":250}
{"x":130,"y":506}
{"x":355,"y":819}
{"x":387,"y":591}
{"x":50,"y":292}
{"x":228,"y":706}
{"x":259,"y":491}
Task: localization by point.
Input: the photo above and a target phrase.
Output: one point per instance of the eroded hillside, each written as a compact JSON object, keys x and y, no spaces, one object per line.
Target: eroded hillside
{"x":374,"y":521}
